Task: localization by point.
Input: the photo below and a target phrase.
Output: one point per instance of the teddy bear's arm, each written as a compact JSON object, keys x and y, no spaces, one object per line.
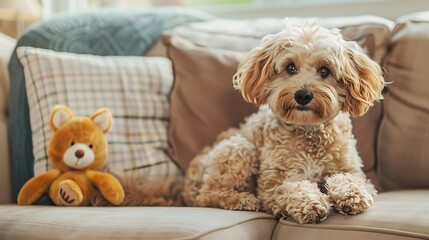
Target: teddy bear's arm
{"x":36,"y":186}
{"x":108,"y":185}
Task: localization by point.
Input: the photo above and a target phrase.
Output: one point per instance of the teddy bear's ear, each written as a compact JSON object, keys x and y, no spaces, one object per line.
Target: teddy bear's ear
{"x":59,"y":115}
{"x":103,"y":119}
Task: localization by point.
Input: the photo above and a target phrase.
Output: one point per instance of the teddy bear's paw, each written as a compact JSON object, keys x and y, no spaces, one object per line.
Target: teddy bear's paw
{"x":69,"y":193}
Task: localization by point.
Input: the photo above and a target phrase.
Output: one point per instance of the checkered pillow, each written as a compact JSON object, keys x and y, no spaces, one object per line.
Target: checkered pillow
{"x":134,"y":89}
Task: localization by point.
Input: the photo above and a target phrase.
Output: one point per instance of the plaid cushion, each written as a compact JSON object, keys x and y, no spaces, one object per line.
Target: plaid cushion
{"x":134,"y":89}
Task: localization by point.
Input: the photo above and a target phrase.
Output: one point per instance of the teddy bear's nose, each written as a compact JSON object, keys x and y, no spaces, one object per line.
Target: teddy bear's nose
{"x":79,"y":153}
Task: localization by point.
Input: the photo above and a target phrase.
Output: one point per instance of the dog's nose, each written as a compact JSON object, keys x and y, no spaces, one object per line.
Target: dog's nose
{"x":303,"y":96}
{"x":79,"y":153}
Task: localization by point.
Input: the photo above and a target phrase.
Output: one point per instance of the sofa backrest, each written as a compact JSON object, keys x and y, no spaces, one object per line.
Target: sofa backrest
{"x":403,"y":140}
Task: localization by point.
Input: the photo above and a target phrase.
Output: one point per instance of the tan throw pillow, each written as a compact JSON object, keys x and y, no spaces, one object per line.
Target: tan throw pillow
{"x":202,"y":101}
{"x":403,"y":152}
{"x":209,"y":37}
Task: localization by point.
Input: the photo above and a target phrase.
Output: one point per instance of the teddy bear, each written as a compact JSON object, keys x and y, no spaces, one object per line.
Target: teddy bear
{"x":78,"y":151}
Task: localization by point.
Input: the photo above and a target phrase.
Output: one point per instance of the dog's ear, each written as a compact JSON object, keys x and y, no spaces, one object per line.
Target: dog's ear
{"x":255,"y":71}
{"x":363,"y":80}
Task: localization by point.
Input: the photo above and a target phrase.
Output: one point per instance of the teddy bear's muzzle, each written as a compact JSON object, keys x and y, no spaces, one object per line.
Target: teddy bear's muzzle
{"x":79,"y":156}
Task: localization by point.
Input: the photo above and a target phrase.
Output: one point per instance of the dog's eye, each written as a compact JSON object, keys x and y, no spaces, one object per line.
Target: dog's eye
{"x":90,"y":145}
{"x":323,"y":72}
{"x":72,"y":143}
{"x":291,"y":69}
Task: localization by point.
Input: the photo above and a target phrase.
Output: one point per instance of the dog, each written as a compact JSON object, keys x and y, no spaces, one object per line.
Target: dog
{"x":307,"y":81}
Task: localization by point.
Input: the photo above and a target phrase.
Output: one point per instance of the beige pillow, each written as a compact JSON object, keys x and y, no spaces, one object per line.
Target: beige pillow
{"x":370,"y":32}
{"x":202,"y":100}
{"x":403,"y":143}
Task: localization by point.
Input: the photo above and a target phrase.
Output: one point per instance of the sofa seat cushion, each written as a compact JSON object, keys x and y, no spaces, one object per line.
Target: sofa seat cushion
{"x":48,"y":222}
{"x":395,"y":215}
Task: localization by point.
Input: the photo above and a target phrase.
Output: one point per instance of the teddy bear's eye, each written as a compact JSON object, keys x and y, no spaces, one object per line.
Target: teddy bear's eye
{"x":90,"y":145}
{"x":72,"y":143}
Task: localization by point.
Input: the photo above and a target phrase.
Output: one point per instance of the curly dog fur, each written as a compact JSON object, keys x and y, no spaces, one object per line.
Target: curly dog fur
{"x":307,"y":81}
{"x":144,"y":192}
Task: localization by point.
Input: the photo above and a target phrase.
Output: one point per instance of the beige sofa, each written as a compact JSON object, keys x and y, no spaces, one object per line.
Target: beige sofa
{"x":393,"y":140}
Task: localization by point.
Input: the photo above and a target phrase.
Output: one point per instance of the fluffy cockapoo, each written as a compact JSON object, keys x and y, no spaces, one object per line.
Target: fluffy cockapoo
{"x":307,"y":81}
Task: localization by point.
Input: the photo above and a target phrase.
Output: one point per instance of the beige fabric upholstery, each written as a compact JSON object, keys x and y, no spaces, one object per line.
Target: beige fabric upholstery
{"x":157,"y":50}
{"x":365,"y":130}
{"x":47,"y":222}
{"x":7,"y":45}
{"x":203,"y":102}
{"x":403,"y":142}
{"x":395,"y":215}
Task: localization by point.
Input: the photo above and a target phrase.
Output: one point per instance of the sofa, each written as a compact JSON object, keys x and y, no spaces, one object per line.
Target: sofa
{"x":392,"y":136}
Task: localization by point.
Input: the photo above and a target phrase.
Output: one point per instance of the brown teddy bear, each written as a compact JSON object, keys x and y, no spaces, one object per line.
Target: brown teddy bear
{"x":78,"y":151}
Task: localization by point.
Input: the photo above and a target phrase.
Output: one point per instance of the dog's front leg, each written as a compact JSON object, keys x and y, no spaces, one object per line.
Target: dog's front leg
{"x":300,"y":199}
{"x":225,"y":173}
{"x":351,"y":193}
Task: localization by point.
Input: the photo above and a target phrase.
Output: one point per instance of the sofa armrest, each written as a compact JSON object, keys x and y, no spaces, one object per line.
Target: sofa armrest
{"x":7,"y":45}
{"x":5,"y":182}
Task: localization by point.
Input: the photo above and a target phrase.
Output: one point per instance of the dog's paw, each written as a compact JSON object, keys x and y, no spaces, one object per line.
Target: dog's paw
{"x":244,"y":202}
{"x":308,"y":208}
{"x":350,"y":195}
{"x":351,"y":203}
